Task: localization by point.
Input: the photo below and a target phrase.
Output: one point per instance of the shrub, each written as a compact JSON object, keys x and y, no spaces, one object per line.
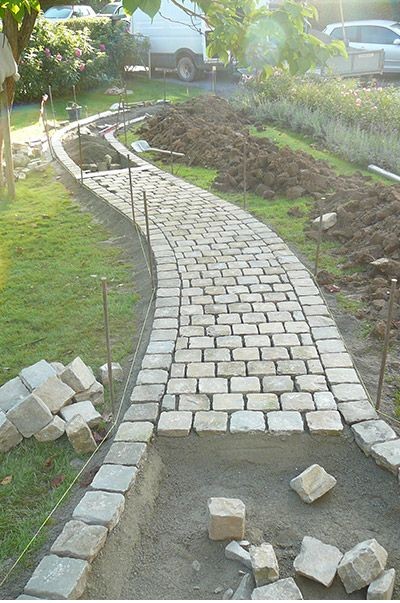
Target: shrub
{"x":81,"y":52}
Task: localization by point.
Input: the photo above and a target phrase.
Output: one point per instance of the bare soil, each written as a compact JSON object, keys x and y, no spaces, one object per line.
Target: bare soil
{"x":211,"y":133}
{"x":164,"y":526}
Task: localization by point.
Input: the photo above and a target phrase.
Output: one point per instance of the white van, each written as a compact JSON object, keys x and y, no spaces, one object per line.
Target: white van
{"x":177,"y":40}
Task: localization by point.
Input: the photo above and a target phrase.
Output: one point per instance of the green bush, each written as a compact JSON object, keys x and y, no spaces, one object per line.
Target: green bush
{"x":81,"y":52}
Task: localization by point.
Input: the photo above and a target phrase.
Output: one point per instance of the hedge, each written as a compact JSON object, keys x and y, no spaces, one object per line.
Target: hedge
{"x":80,"y":52}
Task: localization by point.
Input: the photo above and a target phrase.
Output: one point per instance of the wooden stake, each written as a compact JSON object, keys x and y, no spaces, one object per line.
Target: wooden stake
{"x":214,"y":80}
{"x":74,"y":94}
{"x":108,"y":341}
{"x":146,"y":215}
{"x":128,"y":157}
{"x":393,"y":285}
{"x":319,"y":239}
{"x":52,"y":107}
{"x":5,"y":125}
{"x":245,"y":174}
{"x":165,"y":86}
{"x":80,"y":151}
{"x":124,"y":121}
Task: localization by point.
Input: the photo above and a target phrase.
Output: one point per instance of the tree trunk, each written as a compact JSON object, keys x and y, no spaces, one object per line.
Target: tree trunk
{"x":18,"y":39}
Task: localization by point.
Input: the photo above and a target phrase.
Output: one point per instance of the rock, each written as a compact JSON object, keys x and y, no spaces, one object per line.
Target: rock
{"x":264,"y":564}
{"x":114,"y":478}
{"x":38,"y":373}
{"x":80,"y":436}
{"x":100,"y":508}
{"x":362,"y":565}
{"x":312,"y":483}
{"x":9,"y":435}
{"x":95,"y":393}
{"x":317,"y":561}
{"x":116,"y":371}
{"x":294,"y":192}
{"x":372,"y":432}
{"x":140,"y":431}
{"x":387,"y":454}
{"x":52,"y":431}
{"x":80,"y":541}
{"x":227,"y":594}
{"x":59,"y":367}
{"x":30,"y":415}
{"x":58,"y":578}
{"x":85,"y":409}
{"x":227,"y":518}
{"x":234,"y":551}
{"x":328,"y":220}
{"x":285,"y":589}
{"x":382,"y":587}
{"x":54,"y":393}
{"x":245,"y":588}
{"x":11,"y":393}
{"x":77,"y":375}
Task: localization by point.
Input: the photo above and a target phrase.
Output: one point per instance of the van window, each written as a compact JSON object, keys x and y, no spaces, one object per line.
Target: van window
{"x":352,"y":33}
{"x":372,"y":34}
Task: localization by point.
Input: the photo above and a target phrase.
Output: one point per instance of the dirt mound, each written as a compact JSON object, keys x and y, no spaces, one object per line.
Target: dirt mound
{"x":213,"y":134}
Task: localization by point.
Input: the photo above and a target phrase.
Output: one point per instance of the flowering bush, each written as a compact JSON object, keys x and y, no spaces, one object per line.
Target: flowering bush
{"x":81,"y":52}
{"x":371,"y":107}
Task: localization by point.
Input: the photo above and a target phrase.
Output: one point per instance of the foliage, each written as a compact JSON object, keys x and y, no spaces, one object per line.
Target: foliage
{"x":368,"y":107}
{"x":83,"y":54}
{"x":258,"y":37}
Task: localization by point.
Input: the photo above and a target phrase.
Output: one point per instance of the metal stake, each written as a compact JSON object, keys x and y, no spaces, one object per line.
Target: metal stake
{"x":46,"y":129}
{"x":165,"y":86}
{"x":80,"y":151}
{"x":124,"y":121}
{"x":381,"y":381}
{"x":319,"y":239}
{"x":52,"y":107}
{"x":108,"y":342}
{"x":171,"y":156}
{"x":74,"y":93}
{"x":128,"y":157}
{"x":245,"y":174}
{"x":146,"y":216}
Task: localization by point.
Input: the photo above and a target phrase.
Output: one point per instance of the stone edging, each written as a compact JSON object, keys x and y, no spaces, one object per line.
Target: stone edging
{"x":101,"y":508}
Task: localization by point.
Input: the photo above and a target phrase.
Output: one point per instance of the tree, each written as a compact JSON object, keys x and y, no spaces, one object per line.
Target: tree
{"x":256,"y":36}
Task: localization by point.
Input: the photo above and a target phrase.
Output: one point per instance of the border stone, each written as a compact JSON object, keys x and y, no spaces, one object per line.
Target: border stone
{"x":210,"y":423}
{"x":85,"y":409}
{"x":369,"y":433}
{"x":114,"y":478}
{"x":29,"y":415}
{"x":387,"y":454}
{"x":142,"y":412}
{"x":80,"y":541}
{"x":355,"y":412}
{"x":58,"y":578}
{"x":11,"y":393}
{"x":247,"y":421}
{"x":36,"y":374}
{"x":324,"y":422}
{"x":140,"y":431}
{"x":100,"y":508}
{"x":126,"y":453}
{"x":285,"y":422}
{"x":77,"y":375}
{"x":54,"y":393}
{"x":317,"y":561}
{"x":52,"y":431}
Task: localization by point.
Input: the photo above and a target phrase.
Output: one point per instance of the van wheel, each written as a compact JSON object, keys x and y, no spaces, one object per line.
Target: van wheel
{"x":186,"y":69}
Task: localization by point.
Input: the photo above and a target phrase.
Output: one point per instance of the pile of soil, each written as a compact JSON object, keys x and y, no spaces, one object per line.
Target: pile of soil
{"x":211,"y":133}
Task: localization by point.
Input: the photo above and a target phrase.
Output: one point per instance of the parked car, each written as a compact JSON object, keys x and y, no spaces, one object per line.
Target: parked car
{"x":114,"y":10}
{"x":68,"y":11}
{"x":371,"y":35}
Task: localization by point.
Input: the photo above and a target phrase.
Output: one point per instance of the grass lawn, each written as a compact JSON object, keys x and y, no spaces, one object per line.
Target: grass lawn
{"x":52,"y":257}
{"x":95,"y":101}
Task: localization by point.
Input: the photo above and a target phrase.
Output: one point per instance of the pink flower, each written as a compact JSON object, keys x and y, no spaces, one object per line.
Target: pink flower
{"x":47,"y":52}
{"x":102,"y":47}
{"x":82,"y":67}
{"x":78,"y":52}
{"x":59,"y":57}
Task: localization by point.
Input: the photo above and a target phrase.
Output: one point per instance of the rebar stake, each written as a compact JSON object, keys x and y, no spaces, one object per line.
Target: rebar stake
{"x":393,"y":285}
{"x":146,"y":216}
{"x":108,"y":341}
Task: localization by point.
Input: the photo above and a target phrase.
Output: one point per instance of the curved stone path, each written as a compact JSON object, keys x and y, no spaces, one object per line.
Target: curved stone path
{"x":241,"y":342}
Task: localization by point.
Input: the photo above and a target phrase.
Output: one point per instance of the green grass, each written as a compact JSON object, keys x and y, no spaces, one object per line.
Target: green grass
{"x":95,"y":101}
{"x":52,"y":257}
{"x":26,"y":501}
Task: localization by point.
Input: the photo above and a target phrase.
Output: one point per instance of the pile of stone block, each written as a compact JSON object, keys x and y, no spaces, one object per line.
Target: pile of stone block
{"x":28,"y":157}
{"x":362,"y":566}
{"x":47,"y":400}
